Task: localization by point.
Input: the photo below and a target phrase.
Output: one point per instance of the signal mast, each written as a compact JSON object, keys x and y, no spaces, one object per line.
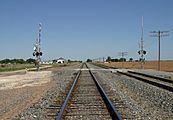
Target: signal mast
{"x":142,"y":52}
{"x":37,"y":48}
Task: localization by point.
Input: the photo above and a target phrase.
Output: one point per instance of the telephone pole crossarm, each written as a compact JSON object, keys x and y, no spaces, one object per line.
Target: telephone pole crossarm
{"x":122,"y":54}
{"x":159,"y":34}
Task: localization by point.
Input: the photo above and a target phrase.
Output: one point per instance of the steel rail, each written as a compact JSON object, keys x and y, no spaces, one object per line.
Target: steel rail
{"x":148,"y":81}
{"x":155,"y":77}
{"x":60,"y":114}
{"x":111,"y":108}
{"x":151,"y":76}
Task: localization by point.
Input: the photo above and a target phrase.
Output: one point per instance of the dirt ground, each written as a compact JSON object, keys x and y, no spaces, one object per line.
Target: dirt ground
{"x":17,"y":92}
{"x":164,"y":65}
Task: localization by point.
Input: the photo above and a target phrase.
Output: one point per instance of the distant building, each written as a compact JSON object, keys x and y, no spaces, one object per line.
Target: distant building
{"x":47,"y":62}
{"x":60,"y":60}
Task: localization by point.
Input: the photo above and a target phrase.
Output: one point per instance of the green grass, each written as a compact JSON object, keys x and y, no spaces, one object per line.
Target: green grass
{"x":14,"y":67}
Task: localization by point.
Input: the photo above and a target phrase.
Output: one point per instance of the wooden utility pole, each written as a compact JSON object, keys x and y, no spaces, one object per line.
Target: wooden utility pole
{"x":159,"y":34}
{"x":122,"y":54}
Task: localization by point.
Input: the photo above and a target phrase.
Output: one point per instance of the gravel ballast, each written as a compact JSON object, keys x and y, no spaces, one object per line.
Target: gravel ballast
{"x":145,"y":101}
{"x":30,"y":102}
{"x":30,"y":99}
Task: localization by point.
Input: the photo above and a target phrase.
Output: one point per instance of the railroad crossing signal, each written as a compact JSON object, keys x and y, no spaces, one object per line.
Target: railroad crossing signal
{"x":37,"y":54}
{"x":37,"y":49}
{"x":142,"y":52}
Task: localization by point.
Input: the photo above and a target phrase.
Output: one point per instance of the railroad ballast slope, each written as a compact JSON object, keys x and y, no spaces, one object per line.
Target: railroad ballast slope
{"x":29,"y":96}
{"x":146,"y":101}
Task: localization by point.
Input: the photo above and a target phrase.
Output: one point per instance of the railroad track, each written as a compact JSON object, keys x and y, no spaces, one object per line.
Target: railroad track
{"x":159,"y":99}
{"x":152,"y":76}
{"x":153,"y":80}
{"x":85,"y":100}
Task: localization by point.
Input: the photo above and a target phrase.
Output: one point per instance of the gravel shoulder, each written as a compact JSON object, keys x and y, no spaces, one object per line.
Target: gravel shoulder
{"x":143,"y":100}
{"x":26,"y":96}
{"x":167,"y":75}
{"x":14,"y":101}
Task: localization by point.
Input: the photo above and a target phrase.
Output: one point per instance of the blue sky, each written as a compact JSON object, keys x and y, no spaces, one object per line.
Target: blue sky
{"x":81,"y":29}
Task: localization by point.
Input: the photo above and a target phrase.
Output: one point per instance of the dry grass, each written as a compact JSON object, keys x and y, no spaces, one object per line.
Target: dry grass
{"x":165,"y":65}
{"x":13,"y":67}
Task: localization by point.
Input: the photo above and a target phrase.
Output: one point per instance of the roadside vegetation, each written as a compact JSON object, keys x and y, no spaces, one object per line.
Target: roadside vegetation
{"x":13,"y":67}
{"x":21,"y":64}
{"x":109,"y":59}
{"x":16,"y":64}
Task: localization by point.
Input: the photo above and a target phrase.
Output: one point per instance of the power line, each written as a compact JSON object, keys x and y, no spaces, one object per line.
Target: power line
{"x":159,"y":34}
{"x":122,"y":54}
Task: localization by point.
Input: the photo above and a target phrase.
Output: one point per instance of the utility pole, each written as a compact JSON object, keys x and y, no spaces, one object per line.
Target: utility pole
{"x":37,"y":48}
{"x":159,"y":34}
{"x":122,"y":54}
{"x":142,"y":52}
{"x":103,"y":59}
{"x":100,"y":59}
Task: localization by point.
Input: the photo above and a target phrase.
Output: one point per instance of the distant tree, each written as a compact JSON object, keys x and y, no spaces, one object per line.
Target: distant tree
{"x":89,"y":60}
{"x":19,"y":61}
{"x":30,"y":61}
{"x":5,"y":61}
{"x":131,"y":59}
{"x":108,"y":59}
{"x":122,"y":59}
{"x":13,"y":61}
{"x":114,"y":60}
{"x":69,"y":61}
